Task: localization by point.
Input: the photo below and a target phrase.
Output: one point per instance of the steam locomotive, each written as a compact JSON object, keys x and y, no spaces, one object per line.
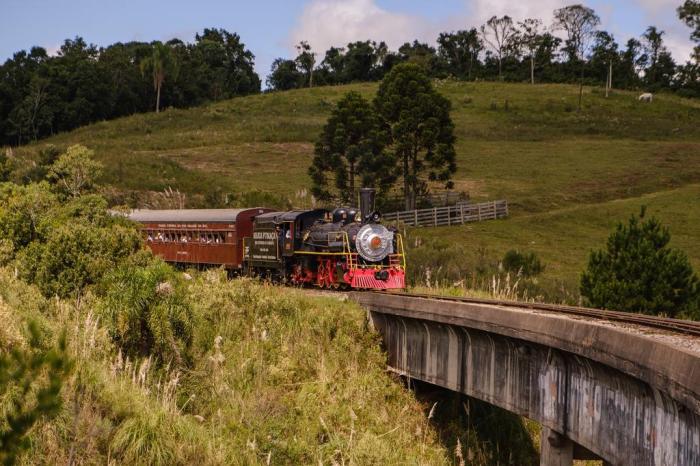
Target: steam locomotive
{"x":340,"y":248}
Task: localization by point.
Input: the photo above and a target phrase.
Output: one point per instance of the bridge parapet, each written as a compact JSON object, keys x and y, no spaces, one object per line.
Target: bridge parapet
{"x":627,"y":394}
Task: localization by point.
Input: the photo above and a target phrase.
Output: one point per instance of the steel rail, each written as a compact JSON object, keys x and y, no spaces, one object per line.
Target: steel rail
{"x":675,"y":325}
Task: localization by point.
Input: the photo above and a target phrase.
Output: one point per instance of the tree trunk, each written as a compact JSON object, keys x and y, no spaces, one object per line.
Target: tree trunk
{"x":580,"y":87}
{"x":471,"y":62}
{"x":500,"y":76}
{"x":158,"y":98}
{"x":352,"y":181}
{"x":406,"y":186}
{"x":532,"y":69}
{"x":311,"y":77}
{"x":610,"y":77}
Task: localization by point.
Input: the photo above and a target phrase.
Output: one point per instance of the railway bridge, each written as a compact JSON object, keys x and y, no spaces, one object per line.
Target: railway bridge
{"x":619,"y":387}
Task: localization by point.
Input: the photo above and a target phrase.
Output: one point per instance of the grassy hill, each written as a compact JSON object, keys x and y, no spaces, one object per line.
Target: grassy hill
{"x":568,"y":175}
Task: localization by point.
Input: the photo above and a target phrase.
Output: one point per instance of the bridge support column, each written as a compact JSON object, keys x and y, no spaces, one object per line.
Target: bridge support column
{"x":556,"y":450}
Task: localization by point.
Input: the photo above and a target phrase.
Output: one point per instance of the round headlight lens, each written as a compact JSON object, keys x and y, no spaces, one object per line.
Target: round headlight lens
{"x":375,"y":242}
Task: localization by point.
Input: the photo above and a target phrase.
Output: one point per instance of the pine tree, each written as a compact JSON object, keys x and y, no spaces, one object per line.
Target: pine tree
{"x":350,"y":152}
{"x":639,"y":272}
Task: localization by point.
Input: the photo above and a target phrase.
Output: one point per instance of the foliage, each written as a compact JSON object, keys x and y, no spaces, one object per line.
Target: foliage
{"x":689,"y":13}
{"x":160,"y":64}
{"x":147,"y":311}
{"x":421,"y":132}
{"x":639,"y":272}
{"x":351,"y":149}
{"x":525,"y":264}
{"x":284,"y":75}
{"x":62,"y":248}
{"x":75,"y":171}
{"x":31,"y":378}
{"x":42,"y":95}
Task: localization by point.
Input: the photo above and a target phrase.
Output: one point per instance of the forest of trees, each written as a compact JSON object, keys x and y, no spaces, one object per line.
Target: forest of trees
{"x":41,"y":95}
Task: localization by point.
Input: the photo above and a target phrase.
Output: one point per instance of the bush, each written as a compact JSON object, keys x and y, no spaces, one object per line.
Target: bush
{"x":31,"y":378}
{"x":639,"y":272}
{"x":148,"y":312}
{"x":525,"y":264}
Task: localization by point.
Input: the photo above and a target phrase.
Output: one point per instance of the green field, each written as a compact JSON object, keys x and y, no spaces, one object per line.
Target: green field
{"x":568,"y":175}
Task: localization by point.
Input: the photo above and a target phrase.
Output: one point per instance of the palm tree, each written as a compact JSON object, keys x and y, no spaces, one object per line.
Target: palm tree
{"x":162,"y":62}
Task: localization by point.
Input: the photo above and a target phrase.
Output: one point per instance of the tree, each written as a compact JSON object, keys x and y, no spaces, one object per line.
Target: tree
{"x":75,"y":171}
{"x":631,"y":62}
{"x":459,"y":50}
{"x":579,"y":23}
{"x":639,"y":272}
{"x":160,"y":64}
{"x":661,"y":68}
{"x":306,"y":59}
{"x":605,"y":53}
{"x":284,"y":75}
{"x":498,"y":33}
{"x":531,"y":37}
{"x":351,"y":148}
{"x":420,"y":130}
{"x":689,"y":13}
{"x":419,"y":53}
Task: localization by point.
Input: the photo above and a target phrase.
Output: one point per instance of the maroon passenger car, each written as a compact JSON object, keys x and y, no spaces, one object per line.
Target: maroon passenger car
{"x":198,"y":236}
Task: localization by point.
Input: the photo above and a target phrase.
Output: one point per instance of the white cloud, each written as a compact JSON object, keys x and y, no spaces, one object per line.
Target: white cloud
{"x":482,"y":10}
{"x":326,"y":23}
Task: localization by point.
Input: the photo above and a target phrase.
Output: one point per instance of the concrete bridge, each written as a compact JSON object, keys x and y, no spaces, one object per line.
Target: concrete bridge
{"x":623,"y":393}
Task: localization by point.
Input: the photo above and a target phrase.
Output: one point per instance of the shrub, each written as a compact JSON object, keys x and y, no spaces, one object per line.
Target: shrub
{"x":639,"y":272}
{"x":525,"y":264}
{"x":148,"y":312}
{"x":31,"y":378}
{"x":62,"y":248}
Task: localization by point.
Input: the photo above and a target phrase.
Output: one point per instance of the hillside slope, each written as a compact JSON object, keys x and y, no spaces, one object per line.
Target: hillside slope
{"x":523,"y":143}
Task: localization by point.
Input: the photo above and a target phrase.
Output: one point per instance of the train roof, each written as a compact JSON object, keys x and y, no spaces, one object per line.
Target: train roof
{"x":190,"y":215}
{"x":288,"y":216}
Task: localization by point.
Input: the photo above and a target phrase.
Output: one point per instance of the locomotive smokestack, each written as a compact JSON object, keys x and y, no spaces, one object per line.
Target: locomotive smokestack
{"x":366,"y":202}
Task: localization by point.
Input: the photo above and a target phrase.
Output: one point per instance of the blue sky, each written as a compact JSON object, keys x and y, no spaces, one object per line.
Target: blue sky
{"x":270,"y":28}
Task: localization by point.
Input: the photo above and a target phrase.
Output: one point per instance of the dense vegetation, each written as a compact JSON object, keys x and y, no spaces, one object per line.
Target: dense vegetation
{"x":42,"y":95}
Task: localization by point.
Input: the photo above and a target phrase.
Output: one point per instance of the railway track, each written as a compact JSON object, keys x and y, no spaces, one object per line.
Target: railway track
{"x":686,"y":327}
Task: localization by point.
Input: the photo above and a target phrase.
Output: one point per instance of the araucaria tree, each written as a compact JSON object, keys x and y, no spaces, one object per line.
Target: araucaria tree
{"x":639,"y":272}
{"x":160,"y":64}
{"x":579,"y":22}
{"x":350,"y":152}
{"x":419,"y":127}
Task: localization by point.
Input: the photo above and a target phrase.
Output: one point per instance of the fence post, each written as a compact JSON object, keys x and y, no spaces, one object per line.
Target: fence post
{"x":461,"y":213}
{"x":435,"y":216}
{"x":495,"y":215}
{"x":449,"y":216}
{"x":415,"y":218}
{"x":479,"y":210}
{"x":506,"y":202}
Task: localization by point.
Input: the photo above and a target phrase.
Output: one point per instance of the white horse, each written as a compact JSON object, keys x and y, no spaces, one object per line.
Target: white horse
{"x":646,"y":97}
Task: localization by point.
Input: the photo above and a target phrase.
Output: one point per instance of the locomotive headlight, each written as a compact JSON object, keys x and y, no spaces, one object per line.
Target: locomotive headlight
{"x":374,"y":242}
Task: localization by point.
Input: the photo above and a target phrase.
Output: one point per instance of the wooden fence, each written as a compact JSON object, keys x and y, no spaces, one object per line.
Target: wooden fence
{"x":450,"y":215}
